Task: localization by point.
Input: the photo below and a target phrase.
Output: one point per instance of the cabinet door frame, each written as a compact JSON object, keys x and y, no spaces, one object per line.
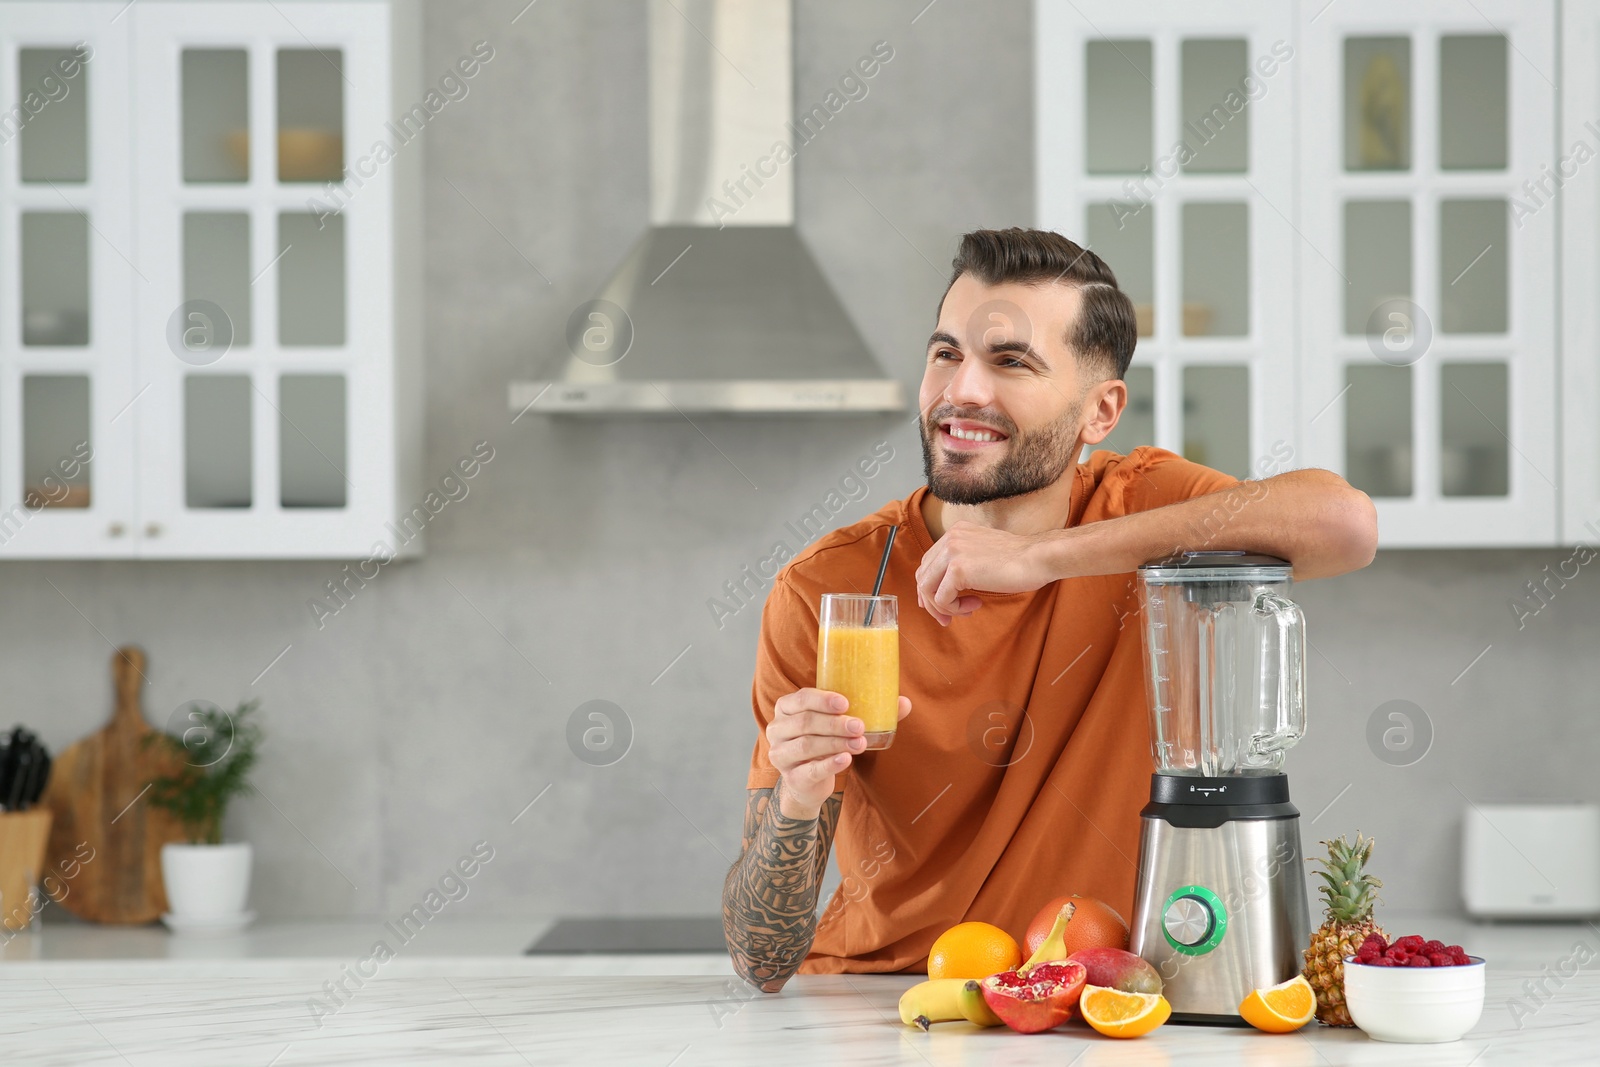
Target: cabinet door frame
{"x":1528,"y":515}
{"x":363,"y":32}
{"x":104,"y":529}
{"x":1066,"y":190}
{"x":1578,"y":207}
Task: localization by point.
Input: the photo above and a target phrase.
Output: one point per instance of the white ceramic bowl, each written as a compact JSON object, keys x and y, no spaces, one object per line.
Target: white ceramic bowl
{"x":1417,"y":1004}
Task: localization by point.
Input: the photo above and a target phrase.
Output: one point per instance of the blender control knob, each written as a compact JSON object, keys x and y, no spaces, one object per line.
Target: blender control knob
{"x":1189,"y":921}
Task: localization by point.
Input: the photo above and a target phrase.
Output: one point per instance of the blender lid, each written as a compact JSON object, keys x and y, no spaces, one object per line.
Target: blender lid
{"x":1200,"y":566}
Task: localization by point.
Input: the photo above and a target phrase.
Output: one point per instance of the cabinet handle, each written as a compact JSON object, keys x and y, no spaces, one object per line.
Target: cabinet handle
{"x":114,"y":530}
{"x":152,"y":529}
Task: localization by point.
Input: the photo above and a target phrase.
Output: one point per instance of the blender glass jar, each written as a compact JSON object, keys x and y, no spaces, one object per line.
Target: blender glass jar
{"x":1224,"y":663}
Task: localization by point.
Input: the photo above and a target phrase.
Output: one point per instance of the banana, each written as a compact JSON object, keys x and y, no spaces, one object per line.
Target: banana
{"x":937,"y":1000}
{"x":1054,"y":947}
{"x":974,"y":1008}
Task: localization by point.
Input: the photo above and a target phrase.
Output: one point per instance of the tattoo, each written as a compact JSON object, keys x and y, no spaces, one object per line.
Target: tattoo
{"x":769,"y":902}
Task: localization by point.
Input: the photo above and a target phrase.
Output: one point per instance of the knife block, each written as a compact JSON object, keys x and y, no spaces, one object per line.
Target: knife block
{"x":23,"y":836}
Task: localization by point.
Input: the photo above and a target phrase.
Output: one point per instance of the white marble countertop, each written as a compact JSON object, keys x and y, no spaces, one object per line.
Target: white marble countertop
{"x":452,"y":947}
{"x":264,"y":1011}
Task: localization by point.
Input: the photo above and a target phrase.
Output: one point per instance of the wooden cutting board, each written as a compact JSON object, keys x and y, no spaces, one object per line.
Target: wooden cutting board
{"x":96,"y":796}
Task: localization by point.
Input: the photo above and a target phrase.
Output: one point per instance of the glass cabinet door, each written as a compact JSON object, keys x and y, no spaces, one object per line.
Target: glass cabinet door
{"x":271,"y":279}
{"x":68,"y":258}
{"x":1161,"y":146}
{"x":1428,"y":334}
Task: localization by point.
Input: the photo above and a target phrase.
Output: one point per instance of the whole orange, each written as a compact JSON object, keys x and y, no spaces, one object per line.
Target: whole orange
{"x":1095,"y":924}
{"x":973,"y":950}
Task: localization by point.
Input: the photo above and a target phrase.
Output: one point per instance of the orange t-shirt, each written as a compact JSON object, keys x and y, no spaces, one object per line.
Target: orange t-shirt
{"x":1020,"y":772}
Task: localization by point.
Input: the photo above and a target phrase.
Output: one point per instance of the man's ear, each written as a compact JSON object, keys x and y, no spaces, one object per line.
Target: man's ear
{"x":1103,"y":405}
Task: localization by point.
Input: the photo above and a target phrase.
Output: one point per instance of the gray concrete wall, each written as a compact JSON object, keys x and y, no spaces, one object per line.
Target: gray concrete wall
{"x":433,"y":709}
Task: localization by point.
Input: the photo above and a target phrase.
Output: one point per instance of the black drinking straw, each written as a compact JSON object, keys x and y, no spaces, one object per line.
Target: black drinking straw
{"x":883,"y":565}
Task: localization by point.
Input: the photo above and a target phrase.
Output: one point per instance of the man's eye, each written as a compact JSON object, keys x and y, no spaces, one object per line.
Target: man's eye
{"x":944,"y":353}
{"x":1012,"y":361}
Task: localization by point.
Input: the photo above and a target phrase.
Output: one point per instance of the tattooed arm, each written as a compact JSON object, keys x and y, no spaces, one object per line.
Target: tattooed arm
{"x":769,"y":902}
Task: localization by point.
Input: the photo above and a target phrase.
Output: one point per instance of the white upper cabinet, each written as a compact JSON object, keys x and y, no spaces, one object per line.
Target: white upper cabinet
{"x":1161,"y":147}
{"x":1427,"y":284}
{"x":254,"y":326}
{"x":68,"y":280}
{"x":1341,"y":256}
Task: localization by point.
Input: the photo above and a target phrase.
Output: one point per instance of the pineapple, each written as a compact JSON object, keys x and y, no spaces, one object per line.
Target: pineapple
{"x":1349,"y":896}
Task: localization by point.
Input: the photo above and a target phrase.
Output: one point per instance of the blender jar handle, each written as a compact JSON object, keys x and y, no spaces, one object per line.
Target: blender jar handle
{"x":1289,"y":625}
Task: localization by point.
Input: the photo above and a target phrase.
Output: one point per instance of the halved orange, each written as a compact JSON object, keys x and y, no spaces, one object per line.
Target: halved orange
{"x":1282,"y":1008}
{"x":1118,"y":1014}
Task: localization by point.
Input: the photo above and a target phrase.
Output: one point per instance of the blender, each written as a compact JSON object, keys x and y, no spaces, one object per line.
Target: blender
{"x":1220,"y":907}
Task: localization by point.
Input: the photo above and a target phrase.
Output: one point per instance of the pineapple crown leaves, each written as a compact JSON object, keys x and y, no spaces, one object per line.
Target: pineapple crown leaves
{"x":1348,"y":889}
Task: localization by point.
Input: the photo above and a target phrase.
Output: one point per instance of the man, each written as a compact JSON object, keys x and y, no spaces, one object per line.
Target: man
{"x":1021,"y":776}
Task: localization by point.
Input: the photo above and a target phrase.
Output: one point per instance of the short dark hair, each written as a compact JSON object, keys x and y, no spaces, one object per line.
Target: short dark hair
{"x":1106,"y":331}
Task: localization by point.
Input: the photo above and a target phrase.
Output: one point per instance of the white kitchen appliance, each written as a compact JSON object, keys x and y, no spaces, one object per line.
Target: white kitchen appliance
{"x":1531,"y":861}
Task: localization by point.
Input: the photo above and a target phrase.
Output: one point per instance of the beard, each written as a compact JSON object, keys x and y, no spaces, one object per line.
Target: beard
{"x":1031,"y":461}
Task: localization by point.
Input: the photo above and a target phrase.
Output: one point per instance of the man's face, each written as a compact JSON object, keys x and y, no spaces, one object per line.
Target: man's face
{"x":1002,"y":396}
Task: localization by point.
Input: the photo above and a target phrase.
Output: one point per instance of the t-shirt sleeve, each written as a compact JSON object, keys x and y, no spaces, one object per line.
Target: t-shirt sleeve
{"x":786,"y":660}
{"x":1153,"y":478}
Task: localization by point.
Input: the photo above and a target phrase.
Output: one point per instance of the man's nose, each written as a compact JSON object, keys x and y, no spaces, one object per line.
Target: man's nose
{"x":971,"y":386}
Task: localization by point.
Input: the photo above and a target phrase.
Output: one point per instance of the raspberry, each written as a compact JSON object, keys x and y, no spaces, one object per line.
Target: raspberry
{"x":1431,"y":947}
{"x":1459,"y":958}
{"x":1377,"y":940}
{"x":1418,"y":960}
{"x":1411,"y":942}
{"x":1440,"y":959}
{"x":1384,"y":961}
{"x":1397,"y":953}
{"x":1366,"y":955}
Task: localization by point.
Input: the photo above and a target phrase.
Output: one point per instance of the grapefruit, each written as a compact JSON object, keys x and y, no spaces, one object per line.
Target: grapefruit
{"x":1095,"y":924}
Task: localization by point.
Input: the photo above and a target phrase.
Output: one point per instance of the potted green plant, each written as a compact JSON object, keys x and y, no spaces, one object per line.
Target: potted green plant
{"x":207,"y":880}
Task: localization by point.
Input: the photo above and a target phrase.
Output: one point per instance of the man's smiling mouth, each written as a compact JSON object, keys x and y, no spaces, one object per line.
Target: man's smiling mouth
{"x":965,"y":435}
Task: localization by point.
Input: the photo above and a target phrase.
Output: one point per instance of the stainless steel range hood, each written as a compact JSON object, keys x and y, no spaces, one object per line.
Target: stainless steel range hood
{"x":719,"y":307}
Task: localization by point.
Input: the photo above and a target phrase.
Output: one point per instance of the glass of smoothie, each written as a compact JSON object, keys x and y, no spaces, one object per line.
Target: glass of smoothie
{"x":858,"y":656}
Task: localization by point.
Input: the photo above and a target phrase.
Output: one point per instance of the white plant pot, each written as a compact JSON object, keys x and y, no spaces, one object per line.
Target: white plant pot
{"x":206,"y":881}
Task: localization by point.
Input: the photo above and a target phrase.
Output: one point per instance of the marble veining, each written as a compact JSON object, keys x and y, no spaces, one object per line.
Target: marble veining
{"x":104,"y":996}
{"x":674,"y":1022}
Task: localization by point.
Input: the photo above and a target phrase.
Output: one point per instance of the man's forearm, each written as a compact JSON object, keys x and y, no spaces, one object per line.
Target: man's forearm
{"x":769,"y":902}
{"x":1311,"y":518}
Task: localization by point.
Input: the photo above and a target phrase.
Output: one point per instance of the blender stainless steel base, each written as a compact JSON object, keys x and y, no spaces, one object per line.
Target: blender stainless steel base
{"x":1220,"y":907}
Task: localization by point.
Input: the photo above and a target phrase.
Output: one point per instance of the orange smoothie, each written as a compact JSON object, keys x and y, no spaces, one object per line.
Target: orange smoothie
{"x":863,"y":664}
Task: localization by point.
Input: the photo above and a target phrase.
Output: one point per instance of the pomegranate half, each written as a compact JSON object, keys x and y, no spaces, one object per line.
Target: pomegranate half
{"x":1034,"y":999}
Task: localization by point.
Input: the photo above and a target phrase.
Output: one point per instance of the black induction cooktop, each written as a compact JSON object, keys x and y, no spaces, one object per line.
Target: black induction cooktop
{"x":693,"y":933}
